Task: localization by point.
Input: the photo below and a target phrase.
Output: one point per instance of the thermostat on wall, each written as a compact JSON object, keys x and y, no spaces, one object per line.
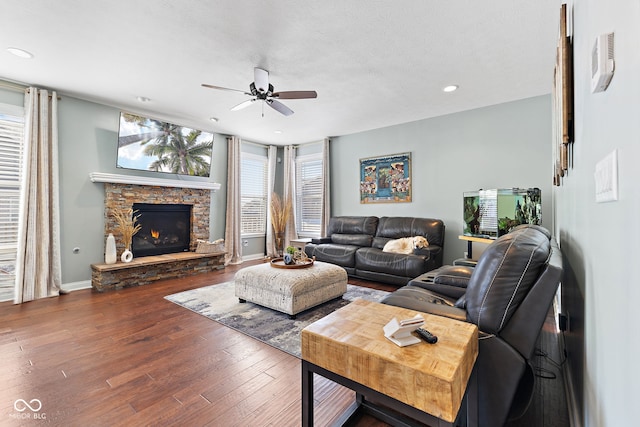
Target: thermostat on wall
{"x":602,"y":63}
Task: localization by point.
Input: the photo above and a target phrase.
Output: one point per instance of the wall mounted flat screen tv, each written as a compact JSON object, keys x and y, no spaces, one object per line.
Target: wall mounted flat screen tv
{"x":153,"y":145}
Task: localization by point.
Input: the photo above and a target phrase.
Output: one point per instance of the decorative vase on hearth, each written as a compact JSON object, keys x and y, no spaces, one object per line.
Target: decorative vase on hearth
{"x":110,"y":255}
{"x":127,"y":256}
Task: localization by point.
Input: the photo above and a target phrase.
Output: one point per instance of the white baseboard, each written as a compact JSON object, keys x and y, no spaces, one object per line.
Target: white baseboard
{"x":252,"y":257}
{"x":76,"y":286}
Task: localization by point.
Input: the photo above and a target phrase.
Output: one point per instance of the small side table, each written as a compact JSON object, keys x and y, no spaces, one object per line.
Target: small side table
{"x":429,"y":383}
{"x":299,"y":243}
{"x":471,"y":239}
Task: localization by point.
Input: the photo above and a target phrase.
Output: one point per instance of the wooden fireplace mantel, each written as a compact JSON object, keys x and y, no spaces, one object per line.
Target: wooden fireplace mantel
{"x":144,"y":180}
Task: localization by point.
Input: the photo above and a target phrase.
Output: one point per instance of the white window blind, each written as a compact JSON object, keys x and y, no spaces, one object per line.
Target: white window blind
{"x":253,"y":183}
{"x":11,"y":146}
{"x":309,"y":179}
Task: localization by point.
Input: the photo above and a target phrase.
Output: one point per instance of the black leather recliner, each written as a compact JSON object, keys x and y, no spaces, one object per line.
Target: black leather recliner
{"x":507,"y":295}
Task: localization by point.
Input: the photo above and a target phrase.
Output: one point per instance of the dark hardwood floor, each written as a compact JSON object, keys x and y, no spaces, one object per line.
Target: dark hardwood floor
{"x":132,"y":358}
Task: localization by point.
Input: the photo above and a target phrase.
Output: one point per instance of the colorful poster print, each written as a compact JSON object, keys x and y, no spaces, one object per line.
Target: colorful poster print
{"x":385,"y":179}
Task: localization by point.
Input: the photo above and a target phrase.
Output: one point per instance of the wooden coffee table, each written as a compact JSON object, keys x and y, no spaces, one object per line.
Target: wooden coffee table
{"x":426,"y":382}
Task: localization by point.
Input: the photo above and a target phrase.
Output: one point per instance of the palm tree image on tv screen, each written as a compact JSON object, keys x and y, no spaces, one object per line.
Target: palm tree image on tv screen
{"x":153,"y":145}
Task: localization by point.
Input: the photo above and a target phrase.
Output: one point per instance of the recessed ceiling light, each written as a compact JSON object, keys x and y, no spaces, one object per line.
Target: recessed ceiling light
{"x":214,"y":119}
{"x":450,"y":88}
{"x":277,"y":131}
{"x":20,"y":52}
{"x":143,"y":99}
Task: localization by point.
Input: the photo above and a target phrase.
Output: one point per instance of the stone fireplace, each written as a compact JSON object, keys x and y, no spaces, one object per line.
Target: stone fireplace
{"x":120,"y":197}
{"x":165,"y":229}
{"x":172,"y":242}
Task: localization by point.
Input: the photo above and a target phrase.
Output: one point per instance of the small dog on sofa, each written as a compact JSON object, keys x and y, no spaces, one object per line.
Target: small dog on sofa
{"x":405,"y":245}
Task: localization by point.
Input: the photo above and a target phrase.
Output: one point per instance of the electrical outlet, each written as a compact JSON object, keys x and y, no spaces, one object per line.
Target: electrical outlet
{"x":563,"y":322}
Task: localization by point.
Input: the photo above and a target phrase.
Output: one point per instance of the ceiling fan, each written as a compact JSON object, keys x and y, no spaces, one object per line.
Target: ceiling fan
{"x":262,"y":90}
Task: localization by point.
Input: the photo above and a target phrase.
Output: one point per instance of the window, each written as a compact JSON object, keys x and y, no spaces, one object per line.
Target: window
{"x":11,"y":146}
{"x":309,"y":183}
{"x":253,"y":198}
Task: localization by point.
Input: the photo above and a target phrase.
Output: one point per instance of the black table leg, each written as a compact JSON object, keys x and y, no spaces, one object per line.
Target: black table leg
{"x":307,"y":395}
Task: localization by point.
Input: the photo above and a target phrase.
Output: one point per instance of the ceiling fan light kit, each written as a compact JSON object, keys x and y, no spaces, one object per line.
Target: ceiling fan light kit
{"x":261,"y":90}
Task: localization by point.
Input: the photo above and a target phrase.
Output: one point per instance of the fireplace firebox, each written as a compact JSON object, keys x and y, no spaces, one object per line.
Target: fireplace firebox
{"x":165,"y":229}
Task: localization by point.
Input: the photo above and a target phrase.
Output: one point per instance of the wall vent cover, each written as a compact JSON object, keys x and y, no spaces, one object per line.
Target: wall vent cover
{"x":602,"y":63}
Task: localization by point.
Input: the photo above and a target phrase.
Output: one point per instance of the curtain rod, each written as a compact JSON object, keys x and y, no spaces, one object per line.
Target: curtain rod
{"x":12,"y":86}
{"x":16,"y":87}
{"x":258,"y":144}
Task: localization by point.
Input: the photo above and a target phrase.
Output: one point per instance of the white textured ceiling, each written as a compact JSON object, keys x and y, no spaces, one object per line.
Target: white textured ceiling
{"x":374,"y":63}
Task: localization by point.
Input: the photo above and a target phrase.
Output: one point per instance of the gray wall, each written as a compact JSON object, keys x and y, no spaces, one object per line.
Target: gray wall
{"x":495,"y":147}
{"x":88,"y":137}
{"x":600,"y":240}
{"x":501,"y":146}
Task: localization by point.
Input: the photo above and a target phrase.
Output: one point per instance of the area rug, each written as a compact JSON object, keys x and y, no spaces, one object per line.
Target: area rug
{"x":219,"y":303}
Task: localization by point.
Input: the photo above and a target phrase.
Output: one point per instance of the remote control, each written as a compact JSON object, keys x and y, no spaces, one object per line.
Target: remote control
{"x":427,"y":336}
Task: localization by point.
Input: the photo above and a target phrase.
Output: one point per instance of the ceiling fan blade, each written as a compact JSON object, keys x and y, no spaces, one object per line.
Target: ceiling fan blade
{"x":224,"y":88}
{"x":279,"y":107}
{"x":244,"y":104}
{"x":296,"y":94}
{"x":261,"y":79}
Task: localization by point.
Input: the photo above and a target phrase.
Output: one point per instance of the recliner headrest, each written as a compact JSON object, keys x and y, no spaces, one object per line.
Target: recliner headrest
{"x":505,"y":272}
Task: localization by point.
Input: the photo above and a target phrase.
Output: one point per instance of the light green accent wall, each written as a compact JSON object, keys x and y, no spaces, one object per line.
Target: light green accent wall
{"x":88,"y":136}
{"x":500,"y":146}
{"x":600,"y":241}
{"x":494,"y":147}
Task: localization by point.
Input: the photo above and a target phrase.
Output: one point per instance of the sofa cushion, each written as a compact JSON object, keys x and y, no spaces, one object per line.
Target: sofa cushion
{"x":352,"y":239}
{"x":342,"y":255}
{"x":403,"y":265}
{"x":397,"y":227}
{"x":353,"y":225}
{"x":503,"y":276}
{"x":353,"y":230}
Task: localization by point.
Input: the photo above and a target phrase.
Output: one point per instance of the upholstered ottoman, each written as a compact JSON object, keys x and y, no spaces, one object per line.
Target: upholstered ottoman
{"x":293,"y":290}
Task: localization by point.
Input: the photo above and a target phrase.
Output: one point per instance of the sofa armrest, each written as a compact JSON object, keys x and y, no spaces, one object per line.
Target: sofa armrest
{"x":448,"y":280}
{"x":425,"y":301}
{"x":432,"y":253}
{"x":321,"y":240}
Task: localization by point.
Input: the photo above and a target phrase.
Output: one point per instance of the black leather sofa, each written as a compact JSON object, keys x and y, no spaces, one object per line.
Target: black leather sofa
{"x":507,"y":295}
{"x":355,"y":243}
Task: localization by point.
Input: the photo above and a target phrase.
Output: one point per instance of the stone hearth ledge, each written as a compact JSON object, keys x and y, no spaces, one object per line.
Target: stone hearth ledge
{"x":145,"y":270}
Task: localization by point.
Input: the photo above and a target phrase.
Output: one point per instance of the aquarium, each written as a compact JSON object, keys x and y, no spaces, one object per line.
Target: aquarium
{"x":492,"y":213}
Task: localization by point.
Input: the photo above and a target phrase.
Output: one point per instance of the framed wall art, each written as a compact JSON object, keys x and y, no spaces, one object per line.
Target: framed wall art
{"x":562,"y":101}
{"x":386,"y":179}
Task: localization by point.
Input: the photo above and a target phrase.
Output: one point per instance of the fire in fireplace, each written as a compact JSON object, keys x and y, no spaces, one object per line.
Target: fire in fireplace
{"x":165,"y":229}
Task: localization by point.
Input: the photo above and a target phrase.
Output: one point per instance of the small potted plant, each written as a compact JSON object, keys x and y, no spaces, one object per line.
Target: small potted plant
{"x":289,"y":256}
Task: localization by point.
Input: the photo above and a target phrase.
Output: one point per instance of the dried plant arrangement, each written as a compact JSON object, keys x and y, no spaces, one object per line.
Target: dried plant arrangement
{"x":280,"y":212}
{"x":127,"y":225}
